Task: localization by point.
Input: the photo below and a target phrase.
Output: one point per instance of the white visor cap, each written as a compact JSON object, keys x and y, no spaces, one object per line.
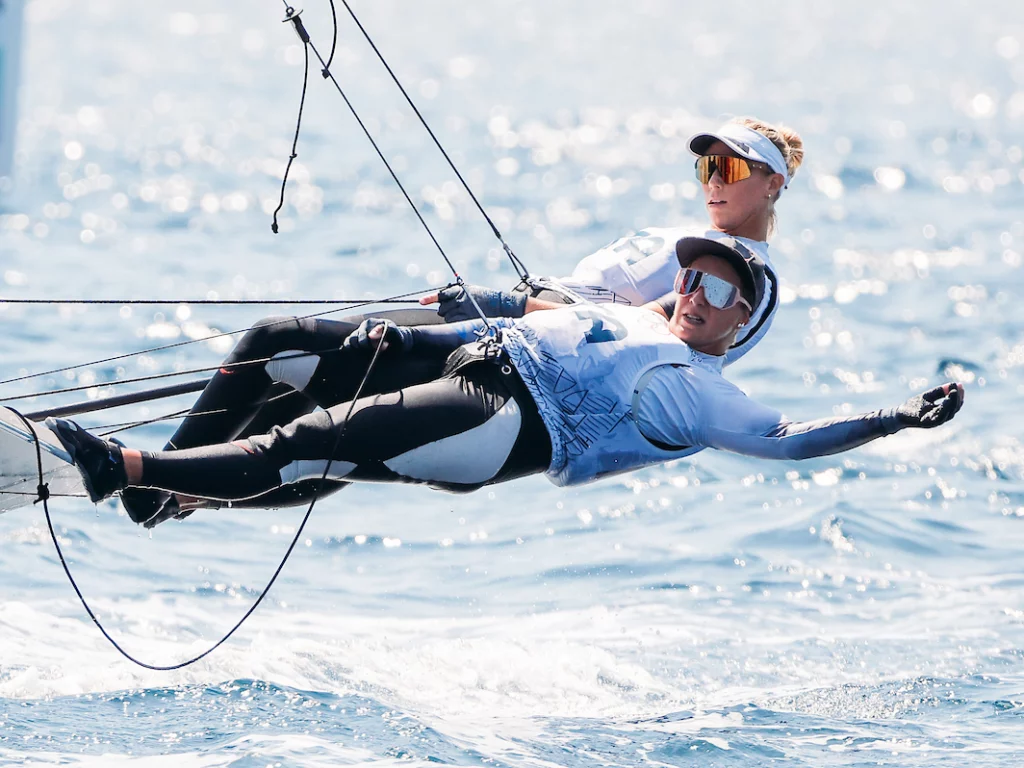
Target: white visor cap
{"x":745,"y":142}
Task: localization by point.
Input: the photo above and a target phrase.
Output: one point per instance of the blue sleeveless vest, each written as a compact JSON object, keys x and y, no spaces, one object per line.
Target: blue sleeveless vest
{"x":582,"y":365}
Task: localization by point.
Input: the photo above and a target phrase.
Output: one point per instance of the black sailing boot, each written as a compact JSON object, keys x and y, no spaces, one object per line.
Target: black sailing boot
{"x":99,"y":461}
{"x":143,"y":504}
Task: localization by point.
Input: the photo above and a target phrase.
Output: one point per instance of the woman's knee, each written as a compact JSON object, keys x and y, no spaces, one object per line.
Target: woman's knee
{"x":268,"y":336}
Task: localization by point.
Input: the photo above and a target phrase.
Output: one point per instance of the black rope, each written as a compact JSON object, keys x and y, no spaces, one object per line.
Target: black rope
{"x":292,"y":16}
{"x":304,"y":35}
{"x":334,"y":43}
{"x":216,"y":302}
{"x":169,"y":374}
{"x":176,"y":344}
{"x":43,"y":495}
{"x":42,"y":489}
{"x":296,"y":20}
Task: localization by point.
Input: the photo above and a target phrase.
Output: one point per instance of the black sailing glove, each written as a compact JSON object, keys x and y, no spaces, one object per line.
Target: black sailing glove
{"x":455,"y":305}
{"x":393,"y":335}
{"x":931,"y":408}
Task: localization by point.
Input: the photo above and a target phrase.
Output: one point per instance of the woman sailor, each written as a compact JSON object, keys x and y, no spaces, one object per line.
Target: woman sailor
{"x":743,"y":168}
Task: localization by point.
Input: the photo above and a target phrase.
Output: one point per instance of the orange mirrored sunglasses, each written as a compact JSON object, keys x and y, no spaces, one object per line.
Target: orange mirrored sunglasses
{"x":730,"y":169}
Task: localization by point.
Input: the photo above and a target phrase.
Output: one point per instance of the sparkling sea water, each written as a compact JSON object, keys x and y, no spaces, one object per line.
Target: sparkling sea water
{"x":855,"y":610}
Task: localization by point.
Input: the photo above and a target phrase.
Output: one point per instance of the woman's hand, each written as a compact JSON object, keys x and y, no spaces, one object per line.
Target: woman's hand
{"x":455,"y":304}
{"x":932,"y":408}
{"x":376,"y":332}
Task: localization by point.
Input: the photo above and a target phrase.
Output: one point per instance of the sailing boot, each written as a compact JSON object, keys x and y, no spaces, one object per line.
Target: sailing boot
{"x":143,"y":504}
{"x":99,"y":461}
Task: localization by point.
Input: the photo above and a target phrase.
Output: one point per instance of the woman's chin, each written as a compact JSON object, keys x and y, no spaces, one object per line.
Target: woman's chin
{"x":686,"y":332}
{"x":719,"y":220}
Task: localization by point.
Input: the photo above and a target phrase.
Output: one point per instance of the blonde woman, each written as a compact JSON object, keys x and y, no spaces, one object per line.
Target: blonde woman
{"x":743,"y":168}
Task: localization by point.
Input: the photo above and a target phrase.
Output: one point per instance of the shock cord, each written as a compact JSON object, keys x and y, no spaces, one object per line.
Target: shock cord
{"x":43,"y":496}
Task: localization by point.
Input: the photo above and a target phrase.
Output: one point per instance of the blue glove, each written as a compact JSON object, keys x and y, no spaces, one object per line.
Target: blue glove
{"x":931,"y":408}
{"x":394,"y":335}
{"x":455,"y":305}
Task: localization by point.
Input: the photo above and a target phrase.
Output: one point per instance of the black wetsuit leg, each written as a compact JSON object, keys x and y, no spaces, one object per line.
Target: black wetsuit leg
{"x":300,"y":353}
{"x":238,"y":391}
{"x":457,"y":433}
{"x":301,"y":366}
{"x":336,"y":381}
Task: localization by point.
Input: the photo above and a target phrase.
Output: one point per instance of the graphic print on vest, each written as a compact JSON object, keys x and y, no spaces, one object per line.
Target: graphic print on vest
{"x":602,"y":326}
{"x":638,"y":247}
{"x":585,"y":416}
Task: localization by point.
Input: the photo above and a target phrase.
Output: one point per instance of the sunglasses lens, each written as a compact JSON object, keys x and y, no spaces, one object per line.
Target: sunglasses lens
{"x":688,"y":281}
{"x":730,"y":169}
{"x":719,"y":293}
{"x":705,"y":168}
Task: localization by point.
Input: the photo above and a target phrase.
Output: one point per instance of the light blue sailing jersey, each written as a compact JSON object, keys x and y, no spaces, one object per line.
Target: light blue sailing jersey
{"x":581,"y":365}
{"x":618,"y":392}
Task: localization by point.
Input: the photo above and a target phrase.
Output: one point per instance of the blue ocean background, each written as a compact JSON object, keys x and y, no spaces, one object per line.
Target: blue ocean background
{"x":855,"y":610}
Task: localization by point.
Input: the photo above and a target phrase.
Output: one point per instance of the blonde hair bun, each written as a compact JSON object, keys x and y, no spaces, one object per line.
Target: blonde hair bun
{"x":785,"y":138}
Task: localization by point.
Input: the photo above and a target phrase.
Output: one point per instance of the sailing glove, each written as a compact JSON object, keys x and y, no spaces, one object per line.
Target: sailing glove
{"x":394,"y":335}
{"x":455,"y":304}
{"x":931,"y":408}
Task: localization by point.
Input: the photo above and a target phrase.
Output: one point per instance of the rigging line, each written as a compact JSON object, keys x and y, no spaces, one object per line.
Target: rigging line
{"x":106,"y":430}
{"x":304,"y":36}
{"x":169,"y":374}
{"x":126,"y":425}
{"x":334,"y":41}
{"x":207,"y":338}
{"x":43,"y":495}
{"x":298,"y":122}
{"x":36,"y":494}
{"x":300,"y":29}
{"x":214,"y":302}
{"x":517,"y":264}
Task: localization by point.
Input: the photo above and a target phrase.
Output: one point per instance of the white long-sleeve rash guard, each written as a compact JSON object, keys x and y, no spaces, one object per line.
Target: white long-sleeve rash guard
{"x":693,"y":406}
{"x":687,"y":406}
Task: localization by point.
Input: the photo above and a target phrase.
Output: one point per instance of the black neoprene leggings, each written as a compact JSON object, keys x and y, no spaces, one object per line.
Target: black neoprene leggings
{"x":458,"y":433}
{"x":300,"y":366}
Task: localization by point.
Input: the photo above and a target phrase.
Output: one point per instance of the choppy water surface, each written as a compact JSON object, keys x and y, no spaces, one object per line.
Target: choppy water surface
{"x":865,"y":609}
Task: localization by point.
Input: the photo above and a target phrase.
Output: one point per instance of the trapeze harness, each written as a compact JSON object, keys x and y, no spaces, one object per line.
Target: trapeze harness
{"x":578,"y":393}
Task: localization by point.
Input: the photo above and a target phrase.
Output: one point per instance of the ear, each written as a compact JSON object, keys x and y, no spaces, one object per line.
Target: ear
{"x":775,"y":184}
